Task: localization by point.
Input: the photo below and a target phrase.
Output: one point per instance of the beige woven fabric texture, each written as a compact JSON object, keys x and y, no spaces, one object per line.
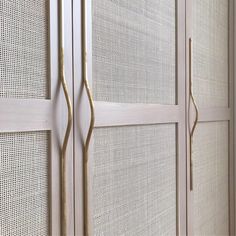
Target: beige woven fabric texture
{"x":210,"y":162}
{"x":134,"y":51}
{"x":210,"y":52}
{"x":134,"y":181}
{"x":24,"y":49}
{"x":24,"y":190}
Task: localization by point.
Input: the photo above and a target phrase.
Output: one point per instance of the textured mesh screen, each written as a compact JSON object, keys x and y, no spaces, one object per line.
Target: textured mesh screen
{"x":134,"y":181}
{"x":24,"y":49}
{"x":24,"y":208}
{"x":210,"y":52}
{"x":210,"y":161}
{"x":134,"y":51}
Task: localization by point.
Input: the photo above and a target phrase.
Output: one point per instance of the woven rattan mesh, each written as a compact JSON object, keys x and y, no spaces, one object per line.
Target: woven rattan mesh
{"x":134,"y":51}
{"x":24,"y":193}
{"x":24,"y":49}
{"x":210,"y":52}
{"x":210,"y":162}
{"x":134,"y":180}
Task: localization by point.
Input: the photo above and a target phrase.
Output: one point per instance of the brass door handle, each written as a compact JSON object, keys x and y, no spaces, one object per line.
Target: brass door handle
{"x":191,"y":97}
{"x":69,"y":122}
{"x":92,"y":118}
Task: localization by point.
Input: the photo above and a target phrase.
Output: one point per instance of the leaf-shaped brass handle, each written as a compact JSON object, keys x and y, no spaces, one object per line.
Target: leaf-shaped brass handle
{"x":92,"y":117}
{"x":191,"y":97}
{"x":69,"y":122}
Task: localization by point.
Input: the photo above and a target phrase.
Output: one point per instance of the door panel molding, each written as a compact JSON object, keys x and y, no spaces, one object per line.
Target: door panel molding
{"x":25,"y":115}
{"x":214,"y":114}
{"x":120,"y":114}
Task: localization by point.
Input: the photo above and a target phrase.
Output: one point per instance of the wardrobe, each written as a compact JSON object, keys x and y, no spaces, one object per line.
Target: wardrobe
{"x":117,"y":117}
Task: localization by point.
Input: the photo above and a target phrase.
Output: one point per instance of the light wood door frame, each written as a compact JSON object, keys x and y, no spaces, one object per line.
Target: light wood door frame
{"x":23,"y":115}
{"x":116,"y":114}
{"x":212,"y":115}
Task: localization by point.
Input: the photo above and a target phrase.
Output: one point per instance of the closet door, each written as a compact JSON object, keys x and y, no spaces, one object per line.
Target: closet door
{"x":212,"y":198}
{"x":136,"y":163}
{"x":33,"y":119}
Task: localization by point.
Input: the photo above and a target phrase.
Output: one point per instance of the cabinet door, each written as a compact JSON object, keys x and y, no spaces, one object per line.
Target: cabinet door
{"x":211,"y":201}
{"x":137,"y":161}
{"x":33,"y":119}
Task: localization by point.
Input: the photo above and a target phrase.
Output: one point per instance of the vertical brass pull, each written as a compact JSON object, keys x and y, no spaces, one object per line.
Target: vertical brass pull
{"x":191,"y":97}
{"x":92,"y":118}
{"x":69,"y":122}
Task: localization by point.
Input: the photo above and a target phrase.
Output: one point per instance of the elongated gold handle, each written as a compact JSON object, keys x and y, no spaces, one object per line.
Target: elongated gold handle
{"x":63,"y":155}
{"x":191,"y":97}
{"x":69,"y":123}
{"x":92,"y":118}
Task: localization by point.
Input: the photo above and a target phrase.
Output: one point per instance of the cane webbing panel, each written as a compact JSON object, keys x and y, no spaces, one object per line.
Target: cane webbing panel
{"x":134,"y":50}
{"x":24,"y":190}
{"x":24,"y":49}
{"x":134,"y":180}
{"x":210,"y":52}
{"x":210,"y":172}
